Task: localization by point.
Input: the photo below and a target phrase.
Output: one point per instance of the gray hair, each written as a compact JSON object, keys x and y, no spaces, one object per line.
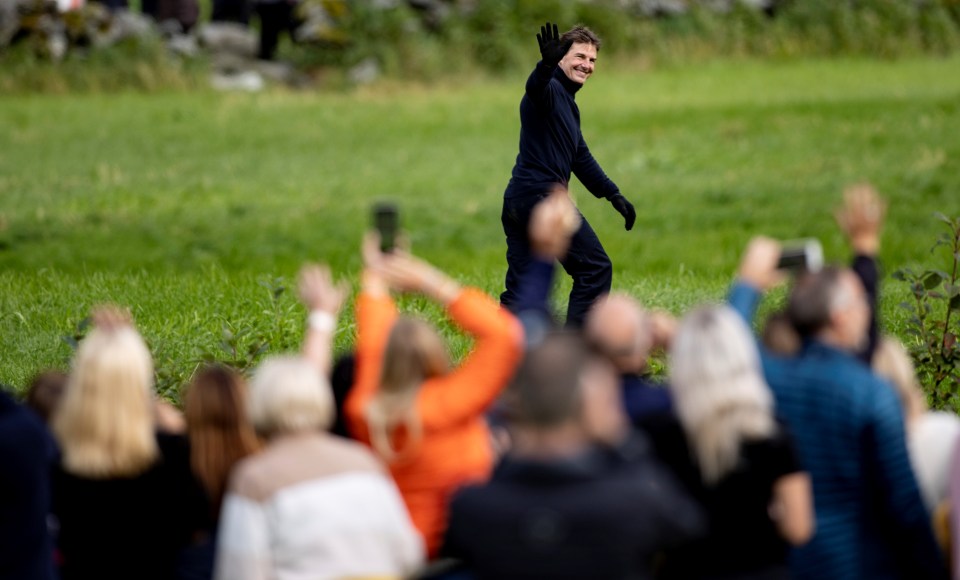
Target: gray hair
{"x":288,"y":395}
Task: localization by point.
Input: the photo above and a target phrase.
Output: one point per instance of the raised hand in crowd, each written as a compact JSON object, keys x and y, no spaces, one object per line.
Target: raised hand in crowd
{"x":110,"y":317}
{"x":861,"y":218}
{"x":553,"y":223}
{"x":323,"y":298}
{"x":758,"y":267}
{"x":402,"y":272}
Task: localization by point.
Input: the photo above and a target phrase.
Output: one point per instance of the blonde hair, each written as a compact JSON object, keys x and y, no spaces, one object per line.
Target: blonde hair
{"x":414,"y":353}
{"x":718,"y":388}
{"x":288,"y":395}
{"x":892,"y":362}
{"x":105,"y":423}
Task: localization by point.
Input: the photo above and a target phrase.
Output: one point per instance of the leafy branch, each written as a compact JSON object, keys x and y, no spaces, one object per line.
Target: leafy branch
{"x":932,"y":324}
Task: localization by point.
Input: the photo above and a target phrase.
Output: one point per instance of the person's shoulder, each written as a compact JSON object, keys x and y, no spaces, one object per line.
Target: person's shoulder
{"x":350,"y":455}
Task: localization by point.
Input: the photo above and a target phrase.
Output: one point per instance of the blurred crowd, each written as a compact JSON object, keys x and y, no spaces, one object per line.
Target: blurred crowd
{"x":806,"y":451}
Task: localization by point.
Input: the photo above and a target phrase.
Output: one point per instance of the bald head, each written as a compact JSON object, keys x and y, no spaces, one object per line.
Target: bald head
{"x":619,"y":327}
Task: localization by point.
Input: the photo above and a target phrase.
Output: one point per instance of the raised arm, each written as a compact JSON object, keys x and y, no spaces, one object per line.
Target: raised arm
{"x":552,"y":225}
{"x":552,"y":49}
{"x":757,"y":273}
{"x":470,"y":389}
{"x":861,"y":219}
{"x":376,"y":314}
{"x":323,"y":299}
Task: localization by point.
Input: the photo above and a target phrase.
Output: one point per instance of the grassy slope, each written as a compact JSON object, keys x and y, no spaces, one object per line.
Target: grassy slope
{"x":188,"y":207}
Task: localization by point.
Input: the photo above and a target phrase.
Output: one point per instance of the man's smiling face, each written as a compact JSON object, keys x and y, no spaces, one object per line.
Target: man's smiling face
{"x":579,"y":62}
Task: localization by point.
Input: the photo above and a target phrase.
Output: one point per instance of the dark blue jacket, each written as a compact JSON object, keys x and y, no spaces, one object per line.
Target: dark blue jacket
{"x":551,"y":144}
{"x":26,"y":454}
{"x":848,"y":428}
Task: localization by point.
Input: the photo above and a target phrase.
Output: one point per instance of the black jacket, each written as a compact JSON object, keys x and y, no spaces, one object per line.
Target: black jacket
{"x":551,"y":144}
{"x":600,"y":515}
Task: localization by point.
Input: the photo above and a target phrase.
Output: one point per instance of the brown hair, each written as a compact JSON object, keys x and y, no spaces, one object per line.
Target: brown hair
{"x":581,"y":33}
{"x":779,"y":335}
{"x":414,"y":353}
{"x":546,"y":389}
{"x":218,"y":426}
{"x":45,"y":393}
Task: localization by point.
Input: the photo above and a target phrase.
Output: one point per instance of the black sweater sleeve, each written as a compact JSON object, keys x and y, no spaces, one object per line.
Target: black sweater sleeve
{"x":591,"y":175}
{"x":865,"y":267}
{"x":539,"y":81}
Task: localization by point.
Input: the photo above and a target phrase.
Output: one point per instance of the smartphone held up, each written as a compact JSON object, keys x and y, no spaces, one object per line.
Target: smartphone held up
{"x":386,"y":220}
{"x":801,"y":255}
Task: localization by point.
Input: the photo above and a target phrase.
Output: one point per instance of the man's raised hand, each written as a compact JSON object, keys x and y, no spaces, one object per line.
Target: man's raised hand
{"x":551,"y":48}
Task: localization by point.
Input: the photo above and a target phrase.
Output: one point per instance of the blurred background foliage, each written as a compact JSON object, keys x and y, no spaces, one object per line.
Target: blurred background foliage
{"x":430,"y":40}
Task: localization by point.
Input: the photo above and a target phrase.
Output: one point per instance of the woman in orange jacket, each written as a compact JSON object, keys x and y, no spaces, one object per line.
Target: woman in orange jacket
{"x":424,"y":419}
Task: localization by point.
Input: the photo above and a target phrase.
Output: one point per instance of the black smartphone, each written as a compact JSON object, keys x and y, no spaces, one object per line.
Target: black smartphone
{"x":801,"y":255}
{"x":386,"y":219}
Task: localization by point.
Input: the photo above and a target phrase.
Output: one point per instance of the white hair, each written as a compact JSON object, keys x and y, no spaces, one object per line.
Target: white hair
{"x":289,"y":395}
{"x":718,"y":388}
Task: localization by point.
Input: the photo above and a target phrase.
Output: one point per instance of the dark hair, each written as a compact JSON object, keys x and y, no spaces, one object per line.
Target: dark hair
{"x":812,"y":299}
{"x":218,"y":427}
{"x":45,"y":393}
{"x":581,"y":33}
{"x":779,"y":335}
{"x":546,"y":389}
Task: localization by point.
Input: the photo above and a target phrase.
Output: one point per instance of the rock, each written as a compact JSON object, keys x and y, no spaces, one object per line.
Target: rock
{"x":229,"y":37}
{"x":126,"y":24}
{"x":278,"y":72}
{"x":248,"y":81}
{"x":367,"y":71}
{"x":184,"y":45}
{"x":9,"y":21}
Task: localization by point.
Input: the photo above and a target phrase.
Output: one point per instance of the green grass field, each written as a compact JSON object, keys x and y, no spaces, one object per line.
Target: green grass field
{"x":196,"y":209}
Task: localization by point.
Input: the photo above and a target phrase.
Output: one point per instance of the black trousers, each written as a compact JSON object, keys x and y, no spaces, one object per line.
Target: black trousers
{"x":275,"y":17}
{"x":586,"y":260}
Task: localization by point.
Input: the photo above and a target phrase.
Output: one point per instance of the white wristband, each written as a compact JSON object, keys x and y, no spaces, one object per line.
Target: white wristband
{"x":321,"y":321}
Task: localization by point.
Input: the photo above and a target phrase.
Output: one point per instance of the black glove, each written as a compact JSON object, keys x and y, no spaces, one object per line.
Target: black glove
{"x":625,"y":208}
{"x":551,"y":49}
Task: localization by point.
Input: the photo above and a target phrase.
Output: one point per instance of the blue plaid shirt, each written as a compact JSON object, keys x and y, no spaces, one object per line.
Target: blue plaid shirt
{"x":848,"y":427}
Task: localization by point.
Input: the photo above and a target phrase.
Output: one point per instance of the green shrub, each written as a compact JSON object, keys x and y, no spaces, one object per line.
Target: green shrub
{"x":934,"y":321}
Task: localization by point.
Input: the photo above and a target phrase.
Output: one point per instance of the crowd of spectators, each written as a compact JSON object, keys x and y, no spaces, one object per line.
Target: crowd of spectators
{"x":547,"y":452}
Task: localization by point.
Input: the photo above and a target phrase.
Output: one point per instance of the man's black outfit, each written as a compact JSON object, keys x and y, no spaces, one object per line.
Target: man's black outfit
{"x":597,"y":514}
{"x":276,"y":16}
{"x":551,"y":147}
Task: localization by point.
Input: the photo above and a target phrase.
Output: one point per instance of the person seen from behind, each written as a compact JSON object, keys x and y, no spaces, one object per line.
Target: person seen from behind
{"x":423,"y":417}
{"x":220,"y":433}
{"x":311,"y":504}
{"x":931,"y":435}
{"x":731,"y":451}
{"x":560,"y":504}
{"x":124,"y":496}
{"x":848,"y":428}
